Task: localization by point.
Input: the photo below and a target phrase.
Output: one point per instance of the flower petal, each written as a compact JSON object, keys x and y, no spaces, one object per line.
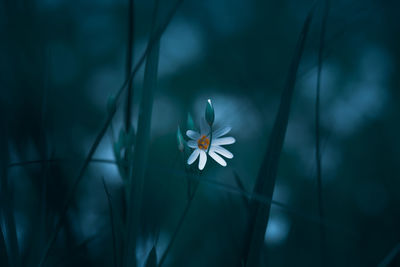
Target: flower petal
{"x":223,"y":141}
{"x":204,"y":127}
{"x":220,"y":150}
{"x":221,"y":131}
{"x":203,"y":159}
{"x":192,"y":158}
{"x":192,"y":144}
{"x":192,"y":134}
{"x":217,"y":158}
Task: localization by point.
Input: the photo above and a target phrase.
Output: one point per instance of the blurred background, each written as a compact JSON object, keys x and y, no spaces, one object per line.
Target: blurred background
{"x":62,"y":60}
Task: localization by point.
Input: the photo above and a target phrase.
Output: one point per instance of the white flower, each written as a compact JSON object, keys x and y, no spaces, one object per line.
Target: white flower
{"x":201,"y":142}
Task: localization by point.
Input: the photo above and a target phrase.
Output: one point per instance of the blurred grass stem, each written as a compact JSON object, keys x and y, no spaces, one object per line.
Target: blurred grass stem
{"x":179,"y":225}
{"x":265,"y":183}
{"x":111,"y":213}
{"x":129,"y":59}
{"x":140,"y":155}
{"x":326,"y":5}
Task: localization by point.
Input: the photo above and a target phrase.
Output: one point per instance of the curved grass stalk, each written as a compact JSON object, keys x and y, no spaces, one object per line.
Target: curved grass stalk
{"x":59,"y":160}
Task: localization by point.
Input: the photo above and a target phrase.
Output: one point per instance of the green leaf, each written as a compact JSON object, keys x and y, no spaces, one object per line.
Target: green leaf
{"x":3,"y":248}
{"x":265,"y":183}
{"x":180,"y":140}
{"x":152,"y":258}
{"x":210,"y":116}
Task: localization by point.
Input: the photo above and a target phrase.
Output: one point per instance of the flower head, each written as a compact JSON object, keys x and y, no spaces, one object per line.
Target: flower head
{"x":207,"y":142}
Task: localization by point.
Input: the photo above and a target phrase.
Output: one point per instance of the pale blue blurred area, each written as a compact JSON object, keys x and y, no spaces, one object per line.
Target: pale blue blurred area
{"x":183,"y":44}
{"x":228,"y":16}
{"x":277,"y":230}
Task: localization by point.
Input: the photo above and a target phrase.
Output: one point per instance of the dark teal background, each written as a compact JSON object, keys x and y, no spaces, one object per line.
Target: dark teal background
{"x":62,"y":60}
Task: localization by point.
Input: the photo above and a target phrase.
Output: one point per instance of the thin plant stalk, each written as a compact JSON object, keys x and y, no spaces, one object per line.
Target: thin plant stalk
{"x":129,"y":60}
{"x":318,"y":134}
{"x":179,"y":225}
{"x":59,"y":160}
{"x":7,"y":216}
{"x":151,"y":260}
{"x":129,"y":97}
{"x":3,"y":247}
{"x":111,"y":214}
{"x":45,"y":164}
{"x":140,"y":155}
{"x":239,"y":183}
{"x":390,"y":257}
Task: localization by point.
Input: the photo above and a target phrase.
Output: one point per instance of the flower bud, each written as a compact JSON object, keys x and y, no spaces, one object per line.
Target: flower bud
{"x":210,"y":116}
{"x":190,"y":123}
{"x":180,"y":140}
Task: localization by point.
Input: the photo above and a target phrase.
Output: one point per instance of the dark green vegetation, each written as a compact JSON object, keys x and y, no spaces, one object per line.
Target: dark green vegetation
{"x":93,"y":92}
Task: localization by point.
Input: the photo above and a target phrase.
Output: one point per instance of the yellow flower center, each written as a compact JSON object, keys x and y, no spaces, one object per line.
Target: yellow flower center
{"x":203,"y":142}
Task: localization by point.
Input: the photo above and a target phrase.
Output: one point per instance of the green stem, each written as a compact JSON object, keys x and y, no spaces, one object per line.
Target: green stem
{"x":129,"y":60}
{"x":142,"y":144}
{"x":179,"y":226}
{"x":111,"y":214}
{"x":318,"y":134}
{"x":209,"y":146}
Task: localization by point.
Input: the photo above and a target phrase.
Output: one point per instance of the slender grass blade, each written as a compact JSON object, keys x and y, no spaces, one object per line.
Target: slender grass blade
{"x":111,"y":213}
{"x":267,"y":175}
{"x":7,"y":220}
{"x":141,"y":150}
{"x":318,"y":134}
{"x":152,"y":258}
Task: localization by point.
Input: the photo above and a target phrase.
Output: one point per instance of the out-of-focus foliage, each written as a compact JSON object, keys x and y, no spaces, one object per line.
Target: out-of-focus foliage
{"x":62,"y":61}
